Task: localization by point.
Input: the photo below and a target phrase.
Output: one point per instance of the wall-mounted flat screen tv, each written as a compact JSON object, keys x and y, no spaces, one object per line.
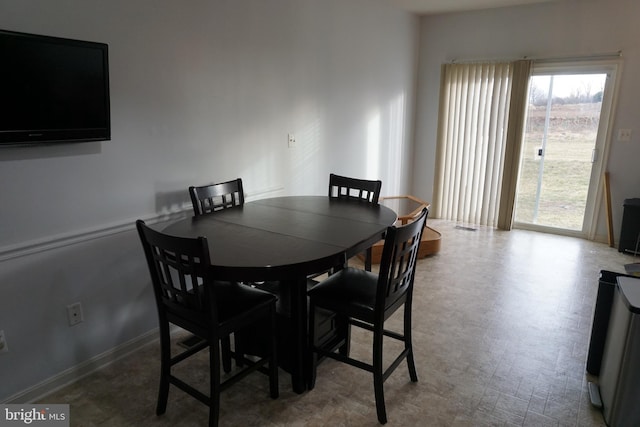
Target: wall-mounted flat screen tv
{"x":52,"y":90}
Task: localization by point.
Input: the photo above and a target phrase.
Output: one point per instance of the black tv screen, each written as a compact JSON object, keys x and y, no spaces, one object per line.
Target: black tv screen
{"x":52,"y":90}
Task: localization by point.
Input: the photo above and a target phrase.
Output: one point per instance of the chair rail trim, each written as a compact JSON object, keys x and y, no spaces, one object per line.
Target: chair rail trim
{"x":80,"y":236}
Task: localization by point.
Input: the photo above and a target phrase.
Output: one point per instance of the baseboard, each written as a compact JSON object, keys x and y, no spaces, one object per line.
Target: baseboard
{"x":41,"y":390}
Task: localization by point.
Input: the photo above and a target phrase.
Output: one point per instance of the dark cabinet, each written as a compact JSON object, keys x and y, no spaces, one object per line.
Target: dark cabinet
{"x":601,"y":315}
{"x":620,"y":371}
{"x":630,"y":230}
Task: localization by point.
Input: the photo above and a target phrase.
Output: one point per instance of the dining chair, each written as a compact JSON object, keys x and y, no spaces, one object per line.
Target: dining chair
{"x":207,"y":199}
{"x":367,"y":300}
{"x":354,"y":188}
{"x":211,"y":198}
{"x":343,"y":187}
{"x":188,"y":296}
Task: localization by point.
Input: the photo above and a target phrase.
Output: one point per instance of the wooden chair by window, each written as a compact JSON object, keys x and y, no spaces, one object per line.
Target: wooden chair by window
{"x":188,"y":296}
{"x":215,"y":197}
{"x":354,"y":188}
{"x":358,"y":189}
{"x":367,"y":300}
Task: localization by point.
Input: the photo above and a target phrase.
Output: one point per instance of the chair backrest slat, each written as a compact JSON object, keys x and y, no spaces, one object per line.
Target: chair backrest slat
{"x":342,"y":187}
{"x":215,"y":197}
{"x":398,"y":262}
{"x":180,"y":275}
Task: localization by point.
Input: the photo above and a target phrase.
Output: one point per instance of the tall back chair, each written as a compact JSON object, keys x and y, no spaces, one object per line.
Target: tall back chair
{"x":354,"y":188}
{"x":367,"y":300}
{"x":215,"y":197}
{"x":343,"y":187}
{"x":211,"y":198}
{"x":187,"y":296}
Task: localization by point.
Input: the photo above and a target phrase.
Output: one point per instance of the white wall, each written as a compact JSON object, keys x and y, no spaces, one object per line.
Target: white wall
{"x":200,"y":93}
{"x":556,"y":29}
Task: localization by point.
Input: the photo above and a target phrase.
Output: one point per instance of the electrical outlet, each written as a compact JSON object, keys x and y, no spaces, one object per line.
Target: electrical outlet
{"x":4,"y":348}
{"x":291,"y":138}
{"x":624,"y":135}
{"x":74,"y":314}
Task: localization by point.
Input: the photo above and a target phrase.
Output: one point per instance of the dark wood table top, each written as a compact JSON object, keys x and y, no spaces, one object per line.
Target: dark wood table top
{"x":286,"y":237}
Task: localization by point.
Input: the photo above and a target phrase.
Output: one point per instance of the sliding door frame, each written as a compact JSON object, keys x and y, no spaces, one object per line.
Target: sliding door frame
{"x":612,"y":68}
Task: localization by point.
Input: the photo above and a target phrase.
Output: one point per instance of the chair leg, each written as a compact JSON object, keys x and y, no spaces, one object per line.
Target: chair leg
{"x":367,"y":259}
{"x":238,"y":351}
{"x":313,"y":356}
{"x":344,"y":330}
{"x":226,"y":354}
{"x":214,"y":378}
{"x":273,"y":359}
{"x":412,"y":367}
{"x":379,"y":392}
{"x":165,"y":368}
{"x":408,"y":343}
{"x":378,"y":379}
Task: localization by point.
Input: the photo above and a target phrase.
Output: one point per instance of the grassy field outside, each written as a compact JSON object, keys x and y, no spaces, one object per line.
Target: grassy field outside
{"x":566,"y":165}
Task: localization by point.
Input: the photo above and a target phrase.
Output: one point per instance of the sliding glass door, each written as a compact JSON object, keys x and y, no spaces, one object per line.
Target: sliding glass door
{"x":564,"y":147}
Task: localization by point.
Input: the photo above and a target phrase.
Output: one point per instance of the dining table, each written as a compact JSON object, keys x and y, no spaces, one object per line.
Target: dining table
{"x":286,"y":240}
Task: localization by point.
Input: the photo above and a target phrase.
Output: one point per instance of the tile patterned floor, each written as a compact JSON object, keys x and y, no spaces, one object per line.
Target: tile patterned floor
{"x":501,"y":332}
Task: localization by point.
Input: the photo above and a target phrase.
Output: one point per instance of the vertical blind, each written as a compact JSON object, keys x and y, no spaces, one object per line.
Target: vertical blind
{"x":513,"y":149}
{"x":473,"y":118}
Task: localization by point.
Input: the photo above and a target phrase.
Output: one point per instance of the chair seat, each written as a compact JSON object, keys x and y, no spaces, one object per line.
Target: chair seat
{"x":350,"y":290}
{"x":235,"y":300}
